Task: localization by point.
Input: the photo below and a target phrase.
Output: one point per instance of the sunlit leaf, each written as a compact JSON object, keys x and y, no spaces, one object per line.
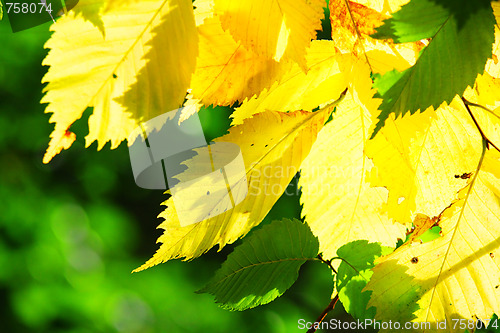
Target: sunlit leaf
{"x":273,"y":29}
{"x":273,"y":145}
{"x":417,"y":158}
{"x":338,"y":202}
{"x":354,"y":272}
{"x":352,"y":24}
{"x":129,"y":74}
{"x":322,"y":83}
{"x":461,"y":34}
{"x":226,"y":71}
{"x":455,"y":275}
{"x":264,"y":266}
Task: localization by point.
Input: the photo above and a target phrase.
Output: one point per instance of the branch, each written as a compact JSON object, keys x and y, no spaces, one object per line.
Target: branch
{"x":328,"y":262}
{"x":323,"y":314}
{"x":485,"y":138}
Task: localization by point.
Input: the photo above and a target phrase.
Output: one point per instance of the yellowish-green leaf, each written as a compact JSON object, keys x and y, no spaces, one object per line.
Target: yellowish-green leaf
{"x":273,"y":29}
{"x":273,"y":145}
{"x":297,"y":90}
{"x":339,"y":204}
{"x":226,"y":71}
{"x":139,"y":68}
{"x":456,"y":276}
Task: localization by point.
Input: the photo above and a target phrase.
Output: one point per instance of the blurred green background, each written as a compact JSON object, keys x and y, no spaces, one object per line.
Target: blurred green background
{"x":72,"y":231}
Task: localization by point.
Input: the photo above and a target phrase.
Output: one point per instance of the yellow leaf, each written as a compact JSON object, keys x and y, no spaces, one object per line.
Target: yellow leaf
{"x":348,"y":19}
{"x":493,"y":64}
{"x":297,"y":90}
{"x":111,"y":4}
{"x":417,"y":158}
{"x":324,"y":80}
{"x":338,"y":203}
{"x":486,"y":91}
{"x":59,"y":140}
{"x":456,"y":276}
{"x":226,"y":71}
{"x":352,"y":24}
{"x":203,"y":9}
{"x":273,"y":29}
{"x":485,"y":105}
{"x":352,"y":20}
{"x":273,"y":145}
{"x":140,"y":68}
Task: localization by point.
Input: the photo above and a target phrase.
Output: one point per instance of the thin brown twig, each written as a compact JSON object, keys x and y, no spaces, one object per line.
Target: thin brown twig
{"x":323,"y":314}
{"x":328,"y":262}
{"x":485,"y":138}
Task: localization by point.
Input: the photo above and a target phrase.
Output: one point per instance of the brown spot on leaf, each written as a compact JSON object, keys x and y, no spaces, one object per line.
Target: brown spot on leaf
{"x":422,"y":223}
{"x":465,"y":175}
{"x":494,"y":58}
{"x":414,"y":260}
{"x":492,"y":255}
{"x":344,"y":32}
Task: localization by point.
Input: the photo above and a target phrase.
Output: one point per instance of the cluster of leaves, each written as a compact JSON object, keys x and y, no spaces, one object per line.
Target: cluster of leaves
{"x":342,"y":111}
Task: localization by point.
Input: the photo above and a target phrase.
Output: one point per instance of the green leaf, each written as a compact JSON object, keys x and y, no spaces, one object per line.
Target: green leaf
{"x":462,"y":34}
{"x":264,"y":266}
{"x":354,"y":273}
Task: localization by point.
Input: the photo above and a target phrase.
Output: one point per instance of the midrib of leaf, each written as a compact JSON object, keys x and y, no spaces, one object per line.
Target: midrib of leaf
{"x":358,"y":34}
{"x":309,"y":68}
{"x":362,"y":180}
{"x":147,"y":26}
{"x":297,"y":127}
{"x":222,"y":69}
{"x":262,"y":263}
{"x":445,"y":257}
